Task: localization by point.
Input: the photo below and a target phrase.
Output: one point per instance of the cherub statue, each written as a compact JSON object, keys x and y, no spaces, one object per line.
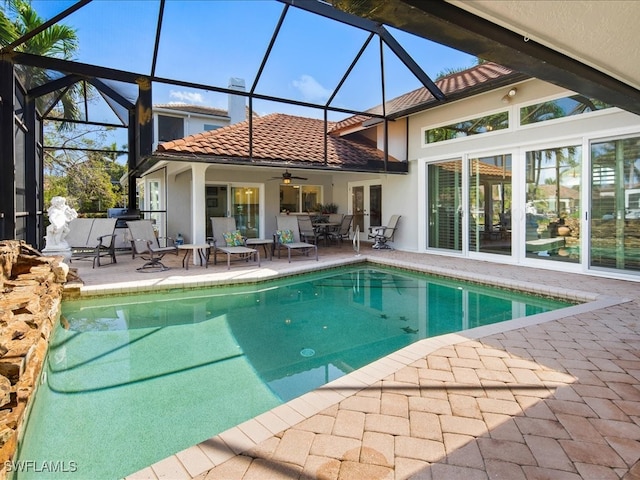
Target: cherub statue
{"x":60,"y":214}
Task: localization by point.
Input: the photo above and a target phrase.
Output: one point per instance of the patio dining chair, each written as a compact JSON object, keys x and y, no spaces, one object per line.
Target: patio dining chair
{"x":383,"y":234}
{"x":308,"y":233}
{"x":146,"y":243}
{"x":343,"y":230}
{"x":288,"y":236}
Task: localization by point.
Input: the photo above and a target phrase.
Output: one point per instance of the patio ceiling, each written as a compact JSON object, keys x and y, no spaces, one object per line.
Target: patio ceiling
{"x":590,"y":47}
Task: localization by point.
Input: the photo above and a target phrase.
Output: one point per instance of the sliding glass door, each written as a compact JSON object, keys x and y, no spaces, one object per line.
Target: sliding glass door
{"x":245,"y":208}
{"x":490,"y":193}
{"x":552,"y":211}
{"x":615,"y":204}
{"x":241,"y":202}
{"x":444,"y":205}
{"x":486,"y":205}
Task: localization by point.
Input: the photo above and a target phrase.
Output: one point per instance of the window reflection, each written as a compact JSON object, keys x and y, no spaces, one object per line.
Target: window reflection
{"x":300,"y":198}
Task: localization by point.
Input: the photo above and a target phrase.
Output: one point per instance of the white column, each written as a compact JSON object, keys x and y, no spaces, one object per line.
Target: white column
{"x":198,"y":227}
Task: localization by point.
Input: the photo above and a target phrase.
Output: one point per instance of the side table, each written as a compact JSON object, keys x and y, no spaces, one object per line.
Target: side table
{"x":252,"y":242}
{"x":201,"y":248}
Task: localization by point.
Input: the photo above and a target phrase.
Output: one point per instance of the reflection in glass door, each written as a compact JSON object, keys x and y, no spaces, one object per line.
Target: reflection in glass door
{"x":552,"y":212}
{"x":490,"y":204}
{"x":445,"y":205}
{"x":615,"y":204}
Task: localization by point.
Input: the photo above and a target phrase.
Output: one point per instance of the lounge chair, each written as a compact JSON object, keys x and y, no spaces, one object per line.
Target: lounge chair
{"x":227,"y":239}
{"x":288,"y":236}
{"x":343,"y":230}
{"x":384,"y":233}
{"x":145,"y":243}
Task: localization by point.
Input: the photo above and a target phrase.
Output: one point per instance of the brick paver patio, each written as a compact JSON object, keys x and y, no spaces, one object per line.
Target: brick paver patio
{"x":543,"y":399}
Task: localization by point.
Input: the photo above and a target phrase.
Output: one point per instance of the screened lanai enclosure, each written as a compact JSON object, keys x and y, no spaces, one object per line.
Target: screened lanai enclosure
{"x":373,"y":48}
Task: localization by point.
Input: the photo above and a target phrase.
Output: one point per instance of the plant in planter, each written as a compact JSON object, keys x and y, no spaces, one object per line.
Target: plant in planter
{"x":329,"y":208}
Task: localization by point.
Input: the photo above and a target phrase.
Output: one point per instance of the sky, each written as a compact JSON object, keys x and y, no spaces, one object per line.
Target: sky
{"x":209,"y":41}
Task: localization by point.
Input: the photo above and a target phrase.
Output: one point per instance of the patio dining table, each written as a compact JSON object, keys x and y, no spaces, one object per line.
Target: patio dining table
{"x":324,"y":229}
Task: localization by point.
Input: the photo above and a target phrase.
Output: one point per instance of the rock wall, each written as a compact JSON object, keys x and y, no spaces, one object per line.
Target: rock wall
{"x":31,"y":292}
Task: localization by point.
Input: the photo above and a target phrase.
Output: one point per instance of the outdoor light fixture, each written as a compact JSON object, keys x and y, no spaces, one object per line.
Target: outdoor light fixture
{"x":510,"y":94}
{"x":286,"y":178}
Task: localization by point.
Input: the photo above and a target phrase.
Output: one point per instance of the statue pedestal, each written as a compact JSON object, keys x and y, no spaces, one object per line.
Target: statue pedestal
{"x":57,"y":251}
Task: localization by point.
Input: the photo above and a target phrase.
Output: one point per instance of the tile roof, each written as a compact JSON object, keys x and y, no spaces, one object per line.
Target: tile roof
{"x":479,"y":77}
{"x":278,"y":138}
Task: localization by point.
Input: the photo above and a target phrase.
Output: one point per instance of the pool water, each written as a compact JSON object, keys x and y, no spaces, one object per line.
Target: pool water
{"x":130,"y":380}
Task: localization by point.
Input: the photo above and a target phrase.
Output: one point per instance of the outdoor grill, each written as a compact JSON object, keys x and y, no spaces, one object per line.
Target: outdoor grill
{"x":123,"y":215}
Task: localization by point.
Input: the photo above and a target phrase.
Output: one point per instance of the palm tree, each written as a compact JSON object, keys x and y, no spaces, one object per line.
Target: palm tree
{"x":17,"y":18}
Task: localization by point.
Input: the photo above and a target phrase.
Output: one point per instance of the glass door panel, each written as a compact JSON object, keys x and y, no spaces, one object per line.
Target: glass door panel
{"x":445,"y":205}
{"x":375,"y":205}
{"x":366,"y":205}
{"x":490,"y":195}
{"x":552,"y":213}
{"x":357,"y":201}
{"x":245,"y":207}
{"x":156,"y":212}
{"x":615,"y":204}
{"x":216,"y":204}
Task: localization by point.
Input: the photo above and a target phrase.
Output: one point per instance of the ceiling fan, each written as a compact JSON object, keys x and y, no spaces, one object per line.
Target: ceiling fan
{"x":287,"y":177}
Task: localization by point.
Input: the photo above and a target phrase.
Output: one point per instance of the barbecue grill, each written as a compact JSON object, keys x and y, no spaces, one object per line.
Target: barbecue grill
{"x":123,"y":215}
{"x":122,"y":231}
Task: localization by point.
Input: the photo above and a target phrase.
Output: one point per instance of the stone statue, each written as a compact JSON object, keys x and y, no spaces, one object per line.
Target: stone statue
{"x":60,"y":214}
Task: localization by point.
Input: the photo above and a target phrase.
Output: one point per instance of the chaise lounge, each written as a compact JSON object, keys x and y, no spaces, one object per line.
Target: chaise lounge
{"x":288,"y":236}
{"x":227,"y":239}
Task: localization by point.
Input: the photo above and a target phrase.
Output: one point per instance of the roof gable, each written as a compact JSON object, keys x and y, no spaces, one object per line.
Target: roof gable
{"x":480,"y":78}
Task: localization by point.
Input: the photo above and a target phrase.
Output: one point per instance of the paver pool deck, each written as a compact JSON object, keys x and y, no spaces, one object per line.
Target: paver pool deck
{"x":553,"y":396}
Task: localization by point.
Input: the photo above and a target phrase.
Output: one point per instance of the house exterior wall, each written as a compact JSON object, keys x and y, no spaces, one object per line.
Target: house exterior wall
{"x":193,"y":123}
{"x":577,"y":130}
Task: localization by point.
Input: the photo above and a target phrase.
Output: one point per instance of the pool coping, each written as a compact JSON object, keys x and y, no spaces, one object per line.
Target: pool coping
{"x":245,"y":436}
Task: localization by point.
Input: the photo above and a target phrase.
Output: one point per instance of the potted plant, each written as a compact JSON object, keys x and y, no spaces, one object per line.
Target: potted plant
{"x":329,"y":208}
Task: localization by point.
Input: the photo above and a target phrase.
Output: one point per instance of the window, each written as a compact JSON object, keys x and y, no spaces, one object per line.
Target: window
{"x":208,"y":127}
{"x":170,"y":128}
{"x":488,"y":123}
{"x":300,"y":198}
{"x":559,"y":108}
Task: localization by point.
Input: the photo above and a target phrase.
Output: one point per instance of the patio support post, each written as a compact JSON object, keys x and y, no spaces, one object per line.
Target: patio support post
{"x":144,"y":117}
{"x":7,"y":152}
{"x":198,"y":211}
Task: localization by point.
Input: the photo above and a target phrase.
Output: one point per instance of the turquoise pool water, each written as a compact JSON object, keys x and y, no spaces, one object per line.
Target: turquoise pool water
{"x":130,"y":380}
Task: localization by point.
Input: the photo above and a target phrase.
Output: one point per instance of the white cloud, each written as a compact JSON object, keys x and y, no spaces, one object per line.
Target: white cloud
{"x":311,"y":90}
{"x":188,"y":97}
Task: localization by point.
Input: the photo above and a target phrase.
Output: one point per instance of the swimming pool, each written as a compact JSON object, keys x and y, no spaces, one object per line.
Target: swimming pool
{"x":130,"y":380}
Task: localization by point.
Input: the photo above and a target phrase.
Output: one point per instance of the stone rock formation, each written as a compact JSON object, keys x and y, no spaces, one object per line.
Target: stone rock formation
{"x":31,"y":287}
